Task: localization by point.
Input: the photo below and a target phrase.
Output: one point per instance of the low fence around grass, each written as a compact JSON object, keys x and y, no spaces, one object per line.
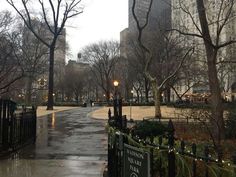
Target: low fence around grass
{"x":163,"y":156}
{"x":17,"y":127}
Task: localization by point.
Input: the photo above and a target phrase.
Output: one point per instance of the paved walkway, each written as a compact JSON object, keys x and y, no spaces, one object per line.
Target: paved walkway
{"x":69,"y":144}
{"x":42,"y":110}
{"x":140,"y":112}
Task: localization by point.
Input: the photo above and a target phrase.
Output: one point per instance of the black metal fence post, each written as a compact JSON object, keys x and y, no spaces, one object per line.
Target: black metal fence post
{"x":120,"y":107}
{"x":194,"y":151}
{"x":34,"y":122}
{"x":115,"y":109}
{"x":109,"y":144}
{"x":206,"y":153}
{"x":182,"y":146}
{"x":151,"y":162}
{"x":5,"y":127}
{"x":161,"y":173}
{"x":124,"y":122}
{"x":109,"y":114}
{"x":1,"y":102}
{"x":171,"y":154}
{"x":16,"y":129}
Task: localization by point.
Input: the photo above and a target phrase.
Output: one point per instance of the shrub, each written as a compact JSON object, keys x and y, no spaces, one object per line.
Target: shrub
{"x":147,"y":128}
{"x":230,"y":124}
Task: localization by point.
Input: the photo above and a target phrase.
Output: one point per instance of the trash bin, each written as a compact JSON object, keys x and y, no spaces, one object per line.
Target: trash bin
{"x":84,"y":104}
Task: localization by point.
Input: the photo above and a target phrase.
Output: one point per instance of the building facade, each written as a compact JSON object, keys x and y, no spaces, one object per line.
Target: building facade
{"x":36,"y":81}
{"x":185,"y":18}
{"x":159,"y":19}
{"x":183,"y":15}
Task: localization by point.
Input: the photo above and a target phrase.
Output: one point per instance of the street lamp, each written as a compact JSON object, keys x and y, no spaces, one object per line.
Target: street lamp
{"x":116,"y":101}
{"x":115,"y":83}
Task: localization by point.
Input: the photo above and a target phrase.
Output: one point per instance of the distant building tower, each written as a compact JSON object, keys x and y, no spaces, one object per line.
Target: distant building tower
{"x":59,"y":57}
{"x":159,"y":19}
{"x":124,"y":42}
{"x":160,"y":15}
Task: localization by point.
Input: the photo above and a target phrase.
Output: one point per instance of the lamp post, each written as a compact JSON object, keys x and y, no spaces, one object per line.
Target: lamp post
{"x":116,"y":101}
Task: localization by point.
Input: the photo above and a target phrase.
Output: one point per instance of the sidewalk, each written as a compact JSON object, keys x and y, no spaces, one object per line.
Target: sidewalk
{"x":42,"y":110}
{"x":69,"y":144}
{"x":140,"y":112}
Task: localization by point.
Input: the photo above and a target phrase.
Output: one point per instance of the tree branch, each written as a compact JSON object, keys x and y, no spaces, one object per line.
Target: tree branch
{"x":177,"y":69}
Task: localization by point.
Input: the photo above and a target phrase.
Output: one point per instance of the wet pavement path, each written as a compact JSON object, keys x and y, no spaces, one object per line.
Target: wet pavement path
{"x":69,"y":144}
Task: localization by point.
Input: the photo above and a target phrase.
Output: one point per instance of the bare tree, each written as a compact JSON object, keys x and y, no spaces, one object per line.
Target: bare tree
{"x":33,"y":56}
{"x":210,"y":26}
{"x":136,"y":66}
{"x":103,"y":57}
{"x":190,"y":76}
{"x":75,"y":82}
{"x":60,"y":12}
{"x":156,"y":84}
{"x":10,"y":67}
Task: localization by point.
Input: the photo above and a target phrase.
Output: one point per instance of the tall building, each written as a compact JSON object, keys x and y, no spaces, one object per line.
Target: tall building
{"x":36,"y":89}
{"x":159,"y":16}
{"x":165,"y":16}
{"x":185,"y":18}
{"x":159,"y":19}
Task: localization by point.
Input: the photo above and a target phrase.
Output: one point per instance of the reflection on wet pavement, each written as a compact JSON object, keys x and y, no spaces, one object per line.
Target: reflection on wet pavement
{"x":68,"y":144}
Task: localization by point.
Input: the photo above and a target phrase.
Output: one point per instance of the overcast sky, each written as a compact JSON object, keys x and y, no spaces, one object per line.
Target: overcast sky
{"x":101,"y":20}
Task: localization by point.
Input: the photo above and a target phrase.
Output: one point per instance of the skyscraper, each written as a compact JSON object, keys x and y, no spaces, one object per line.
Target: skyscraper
{"x":159,"y":19}
{"x":160,"y":15}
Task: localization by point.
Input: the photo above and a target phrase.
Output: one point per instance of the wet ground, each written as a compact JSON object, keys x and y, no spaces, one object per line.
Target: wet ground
{"x":69,"y":144}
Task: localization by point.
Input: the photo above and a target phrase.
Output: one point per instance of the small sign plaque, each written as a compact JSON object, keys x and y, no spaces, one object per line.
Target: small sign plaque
{"x":136,"y":162}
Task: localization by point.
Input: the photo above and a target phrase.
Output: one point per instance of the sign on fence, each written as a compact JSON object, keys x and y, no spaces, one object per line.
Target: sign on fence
{"x":136,"y":162}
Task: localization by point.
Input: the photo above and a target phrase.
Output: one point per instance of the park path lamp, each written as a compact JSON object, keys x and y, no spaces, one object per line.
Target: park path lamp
{"x":116,"y":83}
{"x":115,"y":101}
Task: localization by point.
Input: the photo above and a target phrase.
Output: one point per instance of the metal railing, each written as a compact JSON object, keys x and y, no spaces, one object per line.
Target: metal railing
{"x":175,"y":157}
{"x":17,"y":127}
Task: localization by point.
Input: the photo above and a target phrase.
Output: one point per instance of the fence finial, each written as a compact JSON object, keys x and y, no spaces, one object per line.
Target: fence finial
{"x":182,"y":145}
{"x":171,"y":128}
{"x":194,"y":148}
{"x":109,"y":113}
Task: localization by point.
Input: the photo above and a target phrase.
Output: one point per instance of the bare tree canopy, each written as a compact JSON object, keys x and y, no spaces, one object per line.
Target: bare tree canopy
{"x":149,"y":57}
{"x":54,"y":16}
{"x":10,"y":67}
{"x":103,"y":57}
{"x":210,"y":23}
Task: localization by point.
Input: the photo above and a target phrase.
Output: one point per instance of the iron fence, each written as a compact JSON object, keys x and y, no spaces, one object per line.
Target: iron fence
{"x":17,"y":127}
{"x":169,"y":157}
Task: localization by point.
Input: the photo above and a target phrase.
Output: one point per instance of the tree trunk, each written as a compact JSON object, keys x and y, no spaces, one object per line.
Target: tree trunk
{"x":77,"y":98}
{"x":157,"y":100}
{"x":29,"y":90}
{"x":51,"y":78}
{"x":146,"y":90}
{"x":107,"y":96}
{"x":216,"y":101}
{"x":211,"y":53}
{"x":141,"y":96}
{"x":108,"y":89}
{"x":137,"y":92}
{"x":168,"y":95}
